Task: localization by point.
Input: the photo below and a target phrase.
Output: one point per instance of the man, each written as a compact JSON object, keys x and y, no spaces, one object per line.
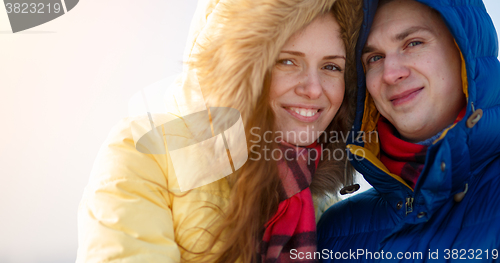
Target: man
{"x":432,"y":75}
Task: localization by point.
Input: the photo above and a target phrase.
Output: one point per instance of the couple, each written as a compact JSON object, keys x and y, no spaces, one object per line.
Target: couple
{"x":426,"y":77}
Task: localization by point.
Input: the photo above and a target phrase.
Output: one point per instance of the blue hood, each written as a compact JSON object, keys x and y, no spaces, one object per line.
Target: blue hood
{"x":454,"y":205}
{"x":476,"y":37}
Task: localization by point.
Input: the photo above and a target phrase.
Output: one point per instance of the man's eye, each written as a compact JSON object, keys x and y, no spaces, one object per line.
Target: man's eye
{"x":374,"y":59}
{"x":415,"y":43}
{"x":332,"y":67}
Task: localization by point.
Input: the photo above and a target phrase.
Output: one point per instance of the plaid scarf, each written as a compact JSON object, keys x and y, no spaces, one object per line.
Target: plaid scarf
{"x":294,"y":224}
{"x":401,"y":157}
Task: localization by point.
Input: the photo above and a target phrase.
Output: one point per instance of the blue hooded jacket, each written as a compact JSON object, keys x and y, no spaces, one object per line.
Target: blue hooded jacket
{"x":454,"y":211}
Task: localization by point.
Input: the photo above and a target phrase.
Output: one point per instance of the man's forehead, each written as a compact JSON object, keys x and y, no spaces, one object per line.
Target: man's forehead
{"x":409,"y":10}
{"x":396,"y":20}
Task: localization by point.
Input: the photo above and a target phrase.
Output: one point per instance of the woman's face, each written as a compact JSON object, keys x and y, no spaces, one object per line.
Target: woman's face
{"x":307,"y":86}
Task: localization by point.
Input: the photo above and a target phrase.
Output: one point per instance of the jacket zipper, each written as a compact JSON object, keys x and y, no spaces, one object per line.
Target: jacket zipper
{"x":409,"y":205}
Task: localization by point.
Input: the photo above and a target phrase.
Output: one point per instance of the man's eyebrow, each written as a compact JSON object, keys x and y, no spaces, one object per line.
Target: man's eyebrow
{"x":367,"y":49}
{"x":411,"y":30}
{"x":399,"y":37}
{"x":296,"y":53}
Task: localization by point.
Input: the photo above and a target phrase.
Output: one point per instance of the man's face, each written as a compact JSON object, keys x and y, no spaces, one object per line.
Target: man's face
{"x":413,"y":69}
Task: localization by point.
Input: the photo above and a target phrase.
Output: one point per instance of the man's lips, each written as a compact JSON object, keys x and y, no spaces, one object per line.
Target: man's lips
{"x":405,"y":96}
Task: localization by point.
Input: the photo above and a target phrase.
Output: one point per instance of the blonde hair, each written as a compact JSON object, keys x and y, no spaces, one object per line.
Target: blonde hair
{"x":237,"y":76}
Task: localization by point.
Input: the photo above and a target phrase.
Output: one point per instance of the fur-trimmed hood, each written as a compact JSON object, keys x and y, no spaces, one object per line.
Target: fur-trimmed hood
{"x":231,"y":67}
{"x":230,"y":52}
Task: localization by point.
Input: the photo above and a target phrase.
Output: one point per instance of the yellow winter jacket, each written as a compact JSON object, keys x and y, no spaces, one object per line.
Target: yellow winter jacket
{"x":132,"y":209}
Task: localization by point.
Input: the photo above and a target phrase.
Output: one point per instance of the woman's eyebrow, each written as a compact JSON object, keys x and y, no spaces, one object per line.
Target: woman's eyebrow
{"x":300,"y":54}
{"x":296,"y":53}
{"x":334,"y":57}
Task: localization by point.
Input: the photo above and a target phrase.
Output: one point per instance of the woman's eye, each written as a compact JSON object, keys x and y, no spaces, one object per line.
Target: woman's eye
{"x":285,"y":62}
{"x":415,"y":43}
{"x":332,"y":67}
{"x":374,"y":59}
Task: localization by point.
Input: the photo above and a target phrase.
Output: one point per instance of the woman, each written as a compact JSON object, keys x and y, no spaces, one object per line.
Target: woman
{"x":283,"y":65}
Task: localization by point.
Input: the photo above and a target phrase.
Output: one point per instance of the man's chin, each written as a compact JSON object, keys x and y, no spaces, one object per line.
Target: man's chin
{"x":412,"y":131}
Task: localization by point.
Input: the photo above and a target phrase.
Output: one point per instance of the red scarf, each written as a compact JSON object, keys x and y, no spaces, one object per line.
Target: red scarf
{"x":294,"y":224}
{"x":401,"y":157}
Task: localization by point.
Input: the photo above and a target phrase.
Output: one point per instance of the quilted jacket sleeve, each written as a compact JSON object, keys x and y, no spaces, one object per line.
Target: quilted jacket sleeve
{"x":125,"y":214}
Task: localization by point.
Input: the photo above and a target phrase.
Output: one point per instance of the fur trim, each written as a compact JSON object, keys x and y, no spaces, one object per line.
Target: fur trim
{"x":231,"y":68}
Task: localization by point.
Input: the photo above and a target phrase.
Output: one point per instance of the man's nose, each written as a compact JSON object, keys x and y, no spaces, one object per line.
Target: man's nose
{"x":309,"y":85}
{"x":395,"y":69}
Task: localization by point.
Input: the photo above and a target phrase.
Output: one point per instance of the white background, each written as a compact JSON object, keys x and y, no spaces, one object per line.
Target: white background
{"x":63,"y":85}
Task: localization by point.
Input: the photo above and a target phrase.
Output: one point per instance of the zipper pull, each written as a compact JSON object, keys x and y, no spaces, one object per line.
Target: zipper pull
{"x":409,"y":205}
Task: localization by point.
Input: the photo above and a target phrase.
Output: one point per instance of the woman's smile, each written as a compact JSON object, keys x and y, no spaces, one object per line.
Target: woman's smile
{"x":304,"y":114}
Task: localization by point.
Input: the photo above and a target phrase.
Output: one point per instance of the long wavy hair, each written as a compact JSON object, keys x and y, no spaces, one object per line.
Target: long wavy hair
{"x":254,"y":196}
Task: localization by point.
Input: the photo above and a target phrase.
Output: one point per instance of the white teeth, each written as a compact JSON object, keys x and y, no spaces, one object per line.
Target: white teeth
{"x":305,"y":112}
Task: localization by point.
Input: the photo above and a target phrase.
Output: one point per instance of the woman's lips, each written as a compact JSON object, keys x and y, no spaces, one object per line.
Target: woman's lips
{"x":405,"y":96}
{"x":304,"y":114}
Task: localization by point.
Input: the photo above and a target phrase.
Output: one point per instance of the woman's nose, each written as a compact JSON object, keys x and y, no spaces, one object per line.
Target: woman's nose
{"x":309,"y":85}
